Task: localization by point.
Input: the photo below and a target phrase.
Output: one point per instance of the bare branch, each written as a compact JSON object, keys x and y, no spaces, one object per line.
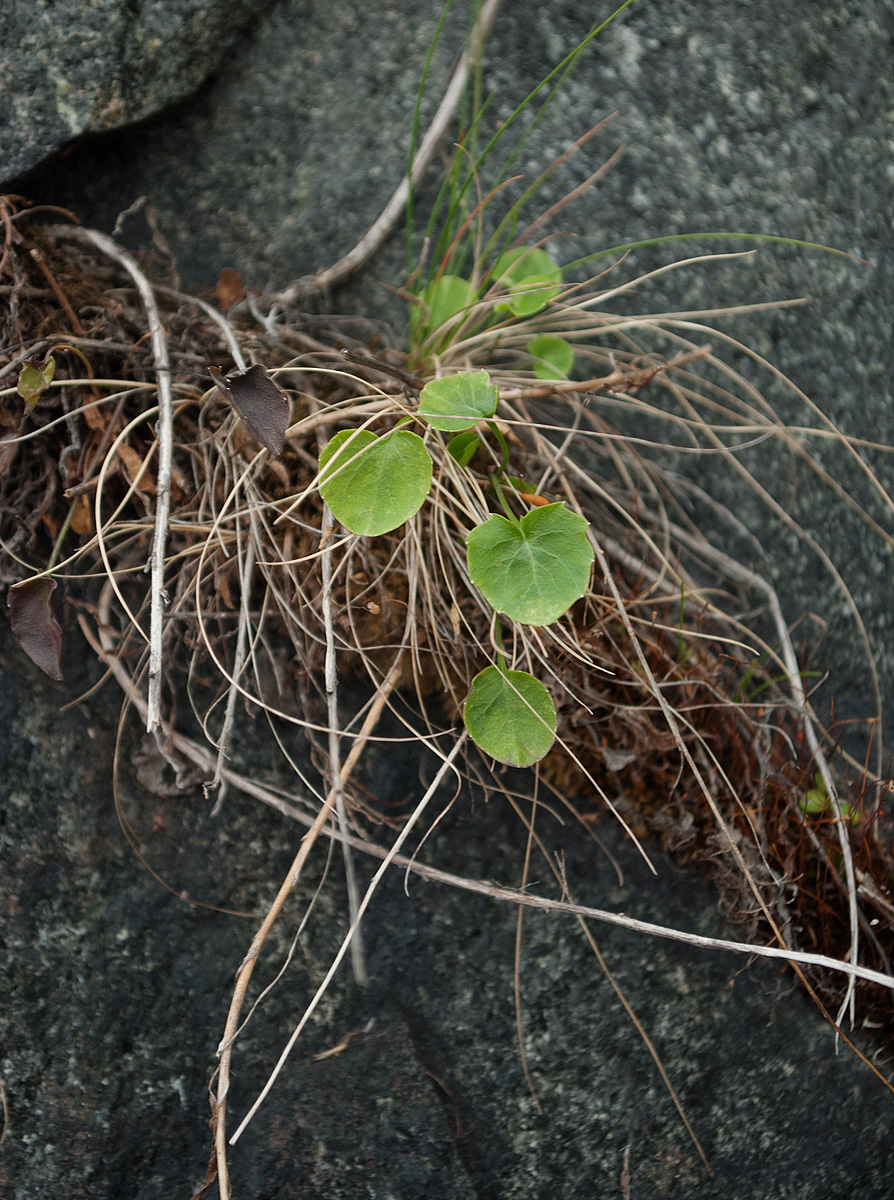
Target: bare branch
{"x":378,"y":232}
{"x":165,"y":455}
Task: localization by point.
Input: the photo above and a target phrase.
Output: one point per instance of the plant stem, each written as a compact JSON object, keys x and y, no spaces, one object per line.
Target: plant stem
{"x":331,"y":674}
{"x":61,"y":535}
{"x":165,"y":456}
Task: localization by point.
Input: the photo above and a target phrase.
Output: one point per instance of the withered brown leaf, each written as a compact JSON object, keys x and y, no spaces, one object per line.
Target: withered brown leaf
{"x":230,"y":288}
{"x":133,"y":465}
{"x":82,"y":517}
{"x":34,"y":623}
{"x":258,"y":401}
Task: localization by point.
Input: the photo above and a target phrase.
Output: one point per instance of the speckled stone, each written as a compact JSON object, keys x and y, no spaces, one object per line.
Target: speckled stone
{"x":762,"y":117}
{"x":68,"y":68}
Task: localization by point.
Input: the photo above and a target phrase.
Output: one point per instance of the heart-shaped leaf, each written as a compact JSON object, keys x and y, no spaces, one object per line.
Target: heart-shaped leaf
{"x":259,"y":402}
{"x":554,"y":357}
{"x":380,"y":481}
{"x":517,"y":265}
{"x":534,"y":569}
{"x":530,"y":296}
{"x":34,"y":379}
{"x":458,"y":401}
{"x":34,"y":623}
{"x":445,"y":298}
{"x":510,"y":716}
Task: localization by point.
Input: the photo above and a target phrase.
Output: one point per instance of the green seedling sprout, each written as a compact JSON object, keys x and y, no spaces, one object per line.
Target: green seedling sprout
{"x":532,"y":569}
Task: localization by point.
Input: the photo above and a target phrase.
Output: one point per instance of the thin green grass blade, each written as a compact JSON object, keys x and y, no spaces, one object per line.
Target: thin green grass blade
{"x":456,"y":188}
{"x":667,"y":239}
{"x":558,"y":74}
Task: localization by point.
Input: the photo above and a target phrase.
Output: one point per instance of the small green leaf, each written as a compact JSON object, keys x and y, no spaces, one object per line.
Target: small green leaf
{"x":814,"y":801}
{"x":464,"y":447}
{"x":554,"y":356}
{"x":458,"y":401}
{"x":380,"y":482}
{"x":517,"y":265}
{"x":534,"y":569}
{"x":510,"y":716}
{"x":530,"y":296}
{"x":445,"y":298}
{"x":34,"y":379}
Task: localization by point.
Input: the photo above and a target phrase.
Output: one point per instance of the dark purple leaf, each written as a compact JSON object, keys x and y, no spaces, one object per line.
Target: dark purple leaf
{"x":34,"y":623}
{"x":259,"y":402}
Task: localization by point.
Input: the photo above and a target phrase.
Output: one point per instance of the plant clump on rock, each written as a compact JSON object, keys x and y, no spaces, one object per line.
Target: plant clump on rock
{"x":476,"y":530}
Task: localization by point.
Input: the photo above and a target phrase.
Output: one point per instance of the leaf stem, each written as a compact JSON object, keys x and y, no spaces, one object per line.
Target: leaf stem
{"x":61,"y":535}
{"x":504,"y":449}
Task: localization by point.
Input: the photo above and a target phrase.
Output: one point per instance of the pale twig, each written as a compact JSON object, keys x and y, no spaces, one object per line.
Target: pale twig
{"x":377,"y":233}
{"x":201,"y":755}
{"x":219,"y":320}
{"x":331,"y":680}
{"x":495,"y":892}
{"x":165,"y":456}
{"x":248,"y":567}
{"x":446,"y":765}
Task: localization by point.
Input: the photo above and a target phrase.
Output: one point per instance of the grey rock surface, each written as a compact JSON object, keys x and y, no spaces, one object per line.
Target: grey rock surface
{"x":119,"y":992}
{"x":766,"y":118}
{"x":69,"y":68}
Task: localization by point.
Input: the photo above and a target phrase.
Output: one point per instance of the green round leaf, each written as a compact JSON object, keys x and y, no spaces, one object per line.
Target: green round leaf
{"x":445,"y":298}
{"x":458,"y":401}
{"x":530,"y":296}
{"x":554,"y":356}
{"x":510,"y":716}
{"x":534,"y":569}
{"x":517,"y":265}
{"x":380,"y":482}
{"x":814,"y":801}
